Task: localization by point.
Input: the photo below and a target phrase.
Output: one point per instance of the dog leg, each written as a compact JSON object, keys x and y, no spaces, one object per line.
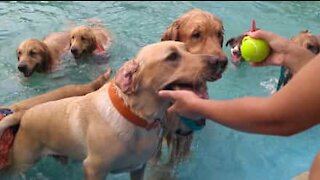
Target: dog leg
{"x":25,"y":152}
{"x":93,"y":168}
{"x":10,"y":120}
{"x":138,"y":174}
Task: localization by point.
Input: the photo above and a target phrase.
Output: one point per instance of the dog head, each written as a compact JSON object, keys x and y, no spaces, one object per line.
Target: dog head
{"x":308,"y":41}
{"x":33,"y":55}
{"x":201,"y":31}
{"x":164,"y":66}
{"x":235,"y":43}
{"x":83,"y":41}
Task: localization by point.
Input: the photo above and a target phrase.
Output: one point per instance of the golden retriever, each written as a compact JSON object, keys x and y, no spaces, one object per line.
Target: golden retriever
{"x":116,"y":128}
{"x":203,"y":33}
{"x":89,"y":40}
{"x":42,"y":56}
{"x":307,"y":40}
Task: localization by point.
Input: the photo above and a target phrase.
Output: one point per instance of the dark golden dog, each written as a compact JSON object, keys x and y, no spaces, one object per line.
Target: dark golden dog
{"x":42,"y":56}
{"x":203,"y":33}
{"x":89,"y":40}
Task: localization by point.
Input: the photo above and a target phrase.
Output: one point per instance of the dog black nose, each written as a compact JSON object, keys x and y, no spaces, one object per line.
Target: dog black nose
{"x":74,"y":50}
{"x":22,"y":68}
{"x":217,"y":62}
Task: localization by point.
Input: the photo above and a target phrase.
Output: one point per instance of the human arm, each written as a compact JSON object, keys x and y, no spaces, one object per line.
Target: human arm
{"x":291,"y":110}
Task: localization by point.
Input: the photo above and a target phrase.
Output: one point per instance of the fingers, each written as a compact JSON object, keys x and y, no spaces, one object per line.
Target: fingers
{"x":166,"y":94}
{"x":261,"y":34}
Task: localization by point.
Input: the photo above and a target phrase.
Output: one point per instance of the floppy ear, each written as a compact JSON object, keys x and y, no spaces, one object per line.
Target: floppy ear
{"x":124,"y":76}
{"x":47,"y":60}
{"x":92,"y":43}
{"x":230,"y":42}
{"x":172,"y":32}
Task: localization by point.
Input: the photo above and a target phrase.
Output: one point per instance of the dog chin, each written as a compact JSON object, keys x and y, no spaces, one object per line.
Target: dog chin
{"x":28,"y":73}
{"x":76,"y":56}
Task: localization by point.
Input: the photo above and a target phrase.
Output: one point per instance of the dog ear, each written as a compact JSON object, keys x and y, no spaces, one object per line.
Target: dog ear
{"x":172,"y":32}
{"x":230,"y":42}
{"x":124,"y":76}
{"x":47,"y":60}
{"x":92,"y":43}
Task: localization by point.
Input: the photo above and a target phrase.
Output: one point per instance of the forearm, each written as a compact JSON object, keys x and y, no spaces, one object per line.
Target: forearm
{"x":254,"y":115}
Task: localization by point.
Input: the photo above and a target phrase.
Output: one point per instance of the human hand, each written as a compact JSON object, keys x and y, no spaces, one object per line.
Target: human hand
{"x":183,"y":101}
{"x":277,"y":44}
{"x":283,"y":51}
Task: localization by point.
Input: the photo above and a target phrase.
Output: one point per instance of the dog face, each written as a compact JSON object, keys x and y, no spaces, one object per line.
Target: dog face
{"x":83,"y":41}
{"x":308,"y":41}
{"x":165,"y":65}
{"x":201,"y":31}
{"x":235,"y":43}
{"x":33,"y":55}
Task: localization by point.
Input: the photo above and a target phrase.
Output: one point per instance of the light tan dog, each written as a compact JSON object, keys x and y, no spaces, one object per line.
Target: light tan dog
{"x":89,"y":40}
{"x":307,"y":40}
{"x":203,"y":33}
{"x":113,"y":129}
{"x":42,"y":55}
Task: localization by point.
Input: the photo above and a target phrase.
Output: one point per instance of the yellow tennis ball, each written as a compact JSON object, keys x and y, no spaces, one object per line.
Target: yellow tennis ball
{"x":254,"y":50}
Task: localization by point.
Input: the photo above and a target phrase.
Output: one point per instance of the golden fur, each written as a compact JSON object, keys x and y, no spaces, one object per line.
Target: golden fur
{"x":203,"y":33}
{"x":84,"y":127}
{"x":42,"y":56}
{"x":87,"y":40}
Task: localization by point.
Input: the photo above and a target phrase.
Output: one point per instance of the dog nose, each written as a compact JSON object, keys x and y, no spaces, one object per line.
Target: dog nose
{"x":74,"y":50}
{"x":22,"y":68}
{"x":217,"y":62}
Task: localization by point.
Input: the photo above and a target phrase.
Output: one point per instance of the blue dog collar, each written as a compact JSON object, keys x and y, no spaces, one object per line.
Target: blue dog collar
{"x":194,"y":125}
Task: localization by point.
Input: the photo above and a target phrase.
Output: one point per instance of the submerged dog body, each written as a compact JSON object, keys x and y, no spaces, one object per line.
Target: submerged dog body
{"x":90,"y":127}
{"x":42,"y":56}
{"x":89,"y":40}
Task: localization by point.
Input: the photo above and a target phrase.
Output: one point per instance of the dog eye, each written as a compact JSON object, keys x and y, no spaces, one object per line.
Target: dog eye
{"x":19,"y":53}
{"x":310,"y":46}
{"x":32,"y":53}
{"x":173,"y":56}
{"x":83,"y":38}
{"x":72,"y":37}
{"x":196,"y":35}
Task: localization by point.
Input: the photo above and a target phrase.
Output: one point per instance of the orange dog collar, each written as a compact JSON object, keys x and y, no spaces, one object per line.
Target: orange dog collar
{"x":126,"y":112}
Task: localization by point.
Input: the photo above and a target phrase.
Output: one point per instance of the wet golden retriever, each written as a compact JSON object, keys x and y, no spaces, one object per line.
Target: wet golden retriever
{"x":307,"y":40}
{"x":42,"y":56}
{"x":203,"y":33}
{"x":101,"y":128}
{"x":89,"y":40}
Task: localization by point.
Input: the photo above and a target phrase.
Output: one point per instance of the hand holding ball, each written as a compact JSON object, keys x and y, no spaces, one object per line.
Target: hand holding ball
{"x":254,"y":50}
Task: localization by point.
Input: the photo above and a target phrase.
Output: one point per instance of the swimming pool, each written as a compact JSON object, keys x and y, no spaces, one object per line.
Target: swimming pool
{"x":218,"y":153}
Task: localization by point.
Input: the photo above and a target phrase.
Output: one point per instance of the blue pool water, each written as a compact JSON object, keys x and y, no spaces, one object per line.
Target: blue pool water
{"x":218,"y":153}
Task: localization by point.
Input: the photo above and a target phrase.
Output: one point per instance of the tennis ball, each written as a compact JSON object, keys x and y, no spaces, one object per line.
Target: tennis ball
{"x":254,"y":50}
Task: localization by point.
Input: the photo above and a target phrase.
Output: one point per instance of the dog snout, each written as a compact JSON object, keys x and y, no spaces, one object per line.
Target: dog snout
{"x":74,"y":50}
{"x":217,"y":62}
{"x":23,"y":68}
{"x":216,"y":65}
